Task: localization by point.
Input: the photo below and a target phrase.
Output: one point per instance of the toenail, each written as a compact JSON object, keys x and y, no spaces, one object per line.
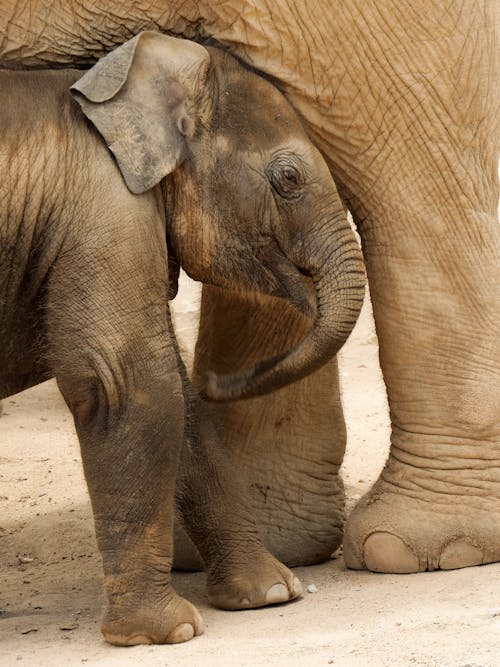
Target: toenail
{"x":384,"y":552}
{"x":182,"y":633}
{"x":460,"y":554}
{"x":296,"y":588}
{"x":277,"y":593}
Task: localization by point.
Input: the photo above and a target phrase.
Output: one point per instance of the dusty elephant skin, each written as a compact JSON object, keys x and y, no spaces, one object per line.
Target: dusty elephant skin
{"x":85,"y":289}
{"x":404,"y":106}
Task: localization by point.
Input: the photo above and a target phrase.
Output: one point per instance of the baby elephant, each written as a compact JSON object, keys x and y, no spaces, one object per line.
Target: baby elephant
{"x":248,"y":204}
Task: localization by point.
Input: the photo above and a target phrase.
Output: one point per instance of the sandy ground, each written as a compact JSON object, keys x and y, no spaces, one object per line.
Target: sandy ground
{"x":50,"y":578}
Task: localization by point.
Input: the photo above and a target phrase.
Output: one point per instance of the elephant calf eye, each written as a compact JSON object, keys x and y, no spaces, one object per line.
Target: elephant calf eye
{"x":291,"y":175}
{"x":285,"y":178}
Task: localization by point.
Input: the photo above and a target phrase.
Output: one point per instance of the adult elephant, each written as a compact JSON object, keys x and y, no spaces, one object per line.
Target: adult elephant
{"x":404,"y":106}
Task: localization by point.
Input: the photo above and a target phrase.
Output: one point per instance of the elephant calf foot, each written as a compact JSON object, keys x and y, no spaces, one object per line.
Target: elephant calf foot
{"x":239,"y":580}
{"x":172,"y":621}
{"x":411,"y":524}
{"x":257,"y":581}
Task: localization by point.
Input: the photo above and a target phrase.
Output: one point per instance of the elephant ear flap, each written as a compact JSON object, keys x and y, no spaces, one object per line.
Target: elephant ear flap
{"x":141,"y":98}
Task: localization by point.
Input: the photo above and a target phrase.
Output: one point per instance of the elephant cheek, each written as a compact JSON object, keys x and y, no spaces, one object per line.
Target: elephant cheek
{"x":194,"y":241}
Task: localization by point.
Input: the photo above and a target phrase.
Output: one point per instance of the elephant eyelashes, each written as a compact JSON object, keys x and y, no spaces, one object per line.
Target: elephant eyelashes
{"x":285,"y":178}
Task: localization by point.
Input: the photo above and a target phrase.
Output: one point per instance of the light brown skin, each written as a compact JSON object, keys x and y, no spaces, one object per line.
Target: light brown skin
{"x":404,"y":105}
{"x":85,"y":288}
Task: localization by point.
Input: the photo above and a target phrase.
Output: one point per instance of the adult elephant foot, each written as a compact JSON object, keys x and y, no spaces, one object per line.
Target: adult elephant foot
{"x":288,"y":447}
{"x":169,"y":621}
{"x":403,"y":526}
{"x":437,"y":501}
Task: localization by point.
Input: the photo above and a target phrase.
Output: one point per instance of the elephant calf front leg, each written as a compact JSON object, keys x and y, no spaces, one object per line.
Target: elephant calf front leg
{"x":115,"y":363}
{"x":131,"y":476}
{"x":130,"y":450}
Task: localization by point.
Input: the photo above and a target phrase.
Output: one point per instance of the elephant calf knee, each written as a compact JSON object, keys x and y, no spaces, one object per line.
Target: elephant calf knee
{"x":90,"y":399}
{"x":105,"y":402}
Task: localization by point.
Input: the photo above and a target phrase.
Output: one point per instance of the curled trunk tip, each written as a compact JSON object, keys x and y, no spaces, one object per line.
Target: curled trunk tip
{"x":338,"y":310}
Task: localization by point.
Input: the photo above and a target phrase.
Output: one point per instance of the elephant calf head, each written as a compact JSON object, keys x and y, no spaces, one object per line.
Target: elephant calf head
{"x":251,"y":203}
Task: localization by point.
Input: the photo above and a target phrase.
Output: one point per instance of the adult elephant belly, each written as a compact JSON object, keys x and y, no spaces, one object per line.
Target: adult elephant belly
{"x":405,"y":108}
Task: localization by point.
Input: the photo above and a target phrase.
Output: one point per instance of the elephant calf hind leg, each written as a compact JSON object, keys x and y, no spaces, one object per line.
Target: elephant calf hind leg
{"x":241,"y":573}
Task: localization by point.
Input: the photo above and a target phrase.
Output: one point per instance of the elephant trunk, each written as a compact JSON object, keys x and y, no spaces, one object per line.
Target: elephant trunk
{"x":338,"y":275}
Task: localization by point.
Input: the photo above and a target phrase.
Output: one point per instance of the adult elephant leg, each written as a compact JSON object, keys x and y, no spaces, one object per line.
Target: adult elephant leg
{"x":434,"y":276}
{"x":288,"y":445}
{"x":427,"y":214}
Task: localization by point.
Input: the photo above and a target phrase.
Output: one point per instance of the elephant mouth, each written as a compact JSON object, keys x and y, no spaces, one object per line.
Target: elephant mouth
{"x":265,"y":270}
{"x":286,"y":281}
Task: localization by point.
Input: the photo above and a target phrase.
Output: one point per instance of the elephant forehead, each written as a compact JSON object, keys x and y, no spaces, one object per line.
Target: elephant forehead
{"x":255,"y":152}
{"x":222,"y":145}
{"x":255,"y":110}
{"x":261,"y":125}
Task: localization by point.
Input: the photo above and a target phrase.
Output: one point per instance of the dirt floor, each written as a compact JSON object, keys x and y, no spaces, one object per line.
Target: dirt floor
{"x":50,"y":577}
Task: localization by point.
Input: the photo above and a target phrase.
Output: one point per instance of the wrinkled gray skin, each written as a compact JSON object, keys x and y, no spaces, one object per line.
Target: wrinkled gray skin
{"x":403,"y":102}
{"x":85,"y":286}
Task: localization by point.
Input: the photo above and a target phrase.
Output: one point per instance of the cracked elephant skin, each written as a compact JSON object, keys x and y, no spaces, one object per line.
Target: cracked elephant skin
{"x":403,"y":103}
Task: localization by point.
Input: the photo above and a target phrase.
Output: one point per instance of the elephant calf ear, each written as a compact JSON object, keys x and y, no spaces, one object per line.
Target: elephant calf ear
{"x":138,"y":97}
